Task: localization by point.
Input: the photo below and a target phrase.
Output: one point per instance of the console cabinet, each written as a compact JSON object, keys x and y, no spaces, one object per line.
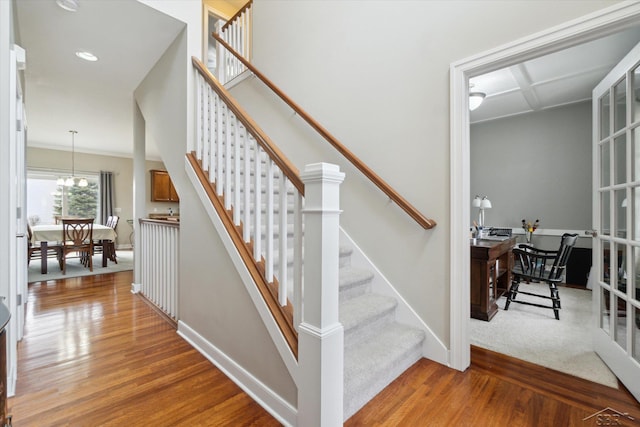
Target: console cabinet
{"x":162,"y":189}
{"x":491,"y":265}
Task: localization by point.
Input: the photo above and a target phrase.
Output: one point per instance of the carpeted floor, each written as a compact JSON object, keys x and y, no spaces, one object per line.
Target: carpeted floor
{"x":75,"y":269}
{"x":533,"y":334}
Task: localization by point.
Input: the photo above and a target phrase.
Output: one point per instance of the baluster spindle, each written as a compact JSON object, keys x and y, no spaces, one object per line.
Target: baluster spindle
{"x":257,"y":206}
{"x":282,"y":274}
{"x":227,"y":160}
{"x":269,"y":222}
{"x":236,"y":172}
{"x":199,"y":88}
{"x":220,"y":145}
{"x":212,"y":135}
{"x":247,"y":188}
{"x":206,"y":128}
{"x":297,"y":257}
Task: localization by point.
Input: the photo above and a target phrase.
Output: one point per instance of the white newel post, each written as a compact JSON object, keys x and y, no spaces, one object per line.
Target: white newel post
{"x":320,"y":334}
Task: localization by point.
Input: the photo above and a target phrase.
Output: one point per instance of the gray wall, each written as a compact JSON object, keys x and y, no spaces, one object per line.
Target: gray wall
{"x":535,"y":165}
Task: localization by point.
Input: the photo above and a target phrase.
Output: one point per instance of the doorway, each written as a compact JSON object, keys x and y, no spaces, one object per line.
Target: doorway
{"x":612,"y":20}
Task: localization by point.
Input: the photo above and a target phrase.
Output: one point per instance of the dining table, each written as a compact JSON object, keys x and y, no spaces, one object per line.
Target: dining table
{"x":46,"y":233}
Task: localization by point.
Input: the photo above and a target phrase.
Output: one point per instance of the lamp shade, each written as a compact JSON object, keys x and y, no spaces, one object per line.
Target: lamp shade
{"x":476,"y":202}
{"x":69,"y":182}
{"x":485,"y":203}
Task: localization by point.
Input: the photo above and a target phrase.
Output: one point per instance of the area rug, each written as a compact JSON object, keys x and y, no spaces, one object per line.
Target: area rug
{"x":533,"y":334}
{"x":75,"y":269}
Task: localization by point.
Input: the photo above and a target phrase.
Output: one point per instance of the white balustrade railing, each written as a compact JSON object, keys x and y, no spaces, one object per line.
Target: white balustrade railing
{"x":159,"y":242}
{"x":237,"y":33}
{"x":264,"y":197}
{"x":255,"y":189}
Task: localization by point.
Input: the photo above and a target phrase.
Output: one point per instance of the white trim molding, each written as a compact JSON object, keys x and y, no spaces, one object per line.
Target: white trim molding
{"x":263,"y":395}
{"x":597,"y":24}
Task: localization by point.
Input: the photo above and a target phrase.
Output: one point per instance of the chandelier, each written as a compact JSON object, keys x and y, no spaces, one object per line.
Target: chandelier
{"x":71,"y":180}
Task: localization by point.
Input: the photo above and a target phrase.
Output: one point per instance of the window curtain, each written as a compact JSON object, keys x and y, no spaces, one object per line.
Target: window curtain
{"x":106,"y":196}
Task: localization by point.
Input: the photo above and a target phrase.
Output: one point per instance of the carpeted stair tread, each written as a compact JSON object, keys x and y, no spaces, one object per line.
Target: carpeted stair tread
{"x":353,"y":281}
{"x":373,"y":364}
{"x":365,"y":309}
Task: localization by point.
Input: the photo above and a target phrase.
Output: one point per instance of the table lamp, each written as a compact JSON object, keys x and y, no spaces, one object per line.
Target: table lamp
{"x":482,"y":204}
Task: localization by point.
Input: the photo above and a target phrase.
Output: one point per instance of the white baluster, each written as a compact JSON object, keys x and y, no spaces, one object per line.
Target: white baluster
{"x":257,"y":210}
{"x":206,"y":128}
{"x":236,"y":174}
{"x":246,"y":236}
{"x":282,"y":275}
{"x":227,"y":159}
{"x":199,"y":82}
{"x":212,"y":135}
{"x":269,"y":222}
{"x":298,"y":237}
{"x":219,"y":145}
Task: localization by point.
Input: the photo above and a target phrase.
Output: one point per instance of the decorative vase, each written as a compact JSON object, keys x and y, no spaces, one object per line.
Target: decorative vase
{"x":528,"y":235}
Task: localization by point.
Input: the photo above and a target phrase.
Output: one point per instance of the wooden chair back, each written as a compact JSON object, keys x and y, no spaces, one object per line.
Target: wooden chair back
{"x":77,"y":233}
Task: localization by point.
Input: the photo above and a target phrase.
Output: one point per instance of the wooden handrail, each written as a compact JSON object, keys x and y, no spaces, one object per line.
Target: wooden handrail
{"x":375,"y":178}
{"x":234,"y":17}
{"x":252,"y":127}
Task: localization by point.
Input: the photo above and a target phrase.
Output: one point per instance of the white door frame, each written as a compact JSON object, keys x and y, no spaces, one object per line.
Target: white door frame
{"x":595,"y":25}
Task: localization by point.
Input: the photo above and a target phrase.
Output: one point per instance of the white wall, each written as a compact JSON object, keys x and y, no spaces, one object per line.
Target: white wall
{"x":376,"y":74}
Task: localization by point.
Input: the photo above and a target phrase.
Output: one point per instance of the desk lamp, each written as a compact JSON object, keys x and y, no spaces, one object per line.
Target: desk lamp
{"x":482,"y":204}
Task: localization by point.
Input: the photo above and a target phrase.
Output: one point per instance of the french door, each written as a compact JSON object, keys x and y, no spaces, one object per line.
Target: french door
{"x":616,"y":220}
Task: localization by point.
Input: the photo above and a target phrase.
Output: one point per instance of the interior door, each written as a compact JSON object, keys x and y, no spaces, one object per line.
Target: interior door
{"x":616,"y":220}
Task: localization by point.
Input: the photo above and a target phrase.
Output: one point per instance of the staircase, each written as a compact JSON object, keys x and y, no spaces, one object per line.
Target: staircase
{"x":377,"y":349}
{"x":234,"y":158}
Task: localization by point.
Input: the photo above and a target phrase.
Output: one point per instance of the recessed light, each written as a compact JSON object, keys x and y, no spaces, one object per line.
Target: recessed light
{"x":87,"y":56}
{"x":70,"y":5}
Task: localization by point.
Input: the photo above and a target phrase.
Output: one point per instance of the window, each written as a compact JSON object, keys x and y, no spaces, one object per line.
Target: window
{"x":46,"y":199}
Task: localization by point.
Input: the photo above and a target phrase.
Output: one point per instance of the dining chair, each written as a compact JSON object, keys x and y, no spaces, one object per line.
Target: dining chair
{"x":77,"y":236}
{"x":108,"y":245}
{"x":539,"y":265}
{"x":34,"y":251}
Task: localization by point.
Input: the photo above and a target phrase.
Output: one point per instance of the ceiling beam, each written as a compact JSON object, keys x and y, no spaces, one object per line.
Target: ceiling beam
{"x":522,"y":77}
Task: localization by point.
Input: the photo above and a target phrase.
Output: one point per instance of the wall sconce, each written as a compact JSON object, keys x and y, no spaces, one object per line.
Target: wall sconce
{"x":481,"y":203}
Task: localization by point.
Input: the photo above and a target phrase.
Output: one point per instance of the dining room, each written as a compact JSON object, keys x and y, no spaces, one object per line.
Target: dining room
{"x":49,"y":200}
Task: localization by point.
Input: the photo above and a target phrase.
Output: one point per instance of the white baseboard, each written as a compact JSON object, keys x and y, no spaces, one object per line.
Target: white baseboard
{"x":125,"y":247}
{"x":136,"y":288}
{"x":432,"y":348}
{"x":264,"y":396}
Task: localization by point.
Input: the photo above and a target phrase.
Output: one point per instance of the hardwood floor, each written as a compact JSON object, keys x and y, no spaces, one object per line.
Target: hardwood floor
{"x":94,"y":354}
{"x":496,"y":390}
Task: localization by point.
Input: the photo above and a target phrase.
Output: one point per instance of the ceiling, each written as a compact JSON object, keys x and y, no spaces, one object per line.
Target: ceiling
{"x":63,"y":92}
{"x":561,"y":78}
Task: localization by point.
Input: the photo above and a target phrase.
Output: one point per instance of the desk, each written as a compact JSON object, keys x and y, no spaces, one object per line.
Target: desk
{"x":53,"y":233}
{"x":491,"y":265}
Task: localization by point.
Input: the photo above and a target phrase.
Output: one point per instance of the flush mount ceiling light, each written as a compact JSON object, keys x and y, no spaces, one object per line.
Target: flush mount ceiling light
{"x":70,"y":5}
{"x":87,"y":56}
{"x":475,"y":99}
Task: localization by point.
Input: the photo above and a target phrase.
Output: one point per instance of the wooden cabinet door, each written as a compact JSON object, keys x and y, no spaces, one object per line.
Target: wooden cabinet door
{"x":160,"y":182}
